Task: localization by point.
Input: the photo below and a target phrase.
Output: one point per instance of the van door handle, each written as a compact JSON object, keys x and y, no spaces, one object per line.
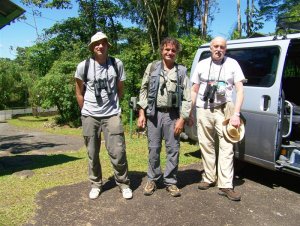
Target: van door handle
{"x":266,"y":102}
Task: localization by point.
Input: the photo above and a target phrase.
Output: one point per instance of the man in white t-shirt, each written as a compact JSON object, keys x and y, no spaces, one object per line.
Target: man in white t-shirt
{"x":213,"y":80}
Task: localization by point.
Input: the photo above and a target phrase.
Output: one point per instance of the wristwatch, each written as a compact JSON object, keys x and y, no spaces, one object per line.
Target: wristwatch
{"x":237,"y":114}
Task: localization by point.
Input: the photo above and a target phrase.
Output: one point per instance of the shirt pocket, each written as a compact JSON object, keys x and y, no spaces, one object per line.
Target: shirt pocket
{"x":171,"y":85}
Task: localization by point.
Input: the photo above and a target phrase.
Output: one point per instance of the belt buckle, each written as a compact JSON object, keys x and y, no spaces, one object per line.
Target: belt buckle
{"x":164,"y":109}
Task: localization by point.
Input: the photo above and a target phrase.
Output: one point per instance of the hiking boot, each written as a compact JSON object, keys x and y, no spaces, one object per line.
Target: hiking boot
{"x":173,"y":190}
{"x":127,"y":193}
{"x":204,"y":185}
{"x":94,"y":193}
{"x":150,"y":187}
{"x":230,"y":193}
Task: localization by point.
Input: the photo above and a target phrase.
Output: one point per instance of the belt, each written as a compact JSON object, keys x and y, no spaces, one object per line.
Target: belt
{"x":164,"y":109}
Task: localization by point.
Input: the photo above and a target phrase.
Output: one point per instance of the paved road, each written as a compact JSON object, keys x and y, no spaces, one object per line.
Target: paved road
{"x":268,"y":198}
{"x":16,"y":140}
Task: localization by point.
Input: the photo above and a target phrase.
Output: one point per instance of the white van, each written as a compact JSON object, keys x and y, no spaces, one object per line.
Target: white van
{"x":272,"y":99}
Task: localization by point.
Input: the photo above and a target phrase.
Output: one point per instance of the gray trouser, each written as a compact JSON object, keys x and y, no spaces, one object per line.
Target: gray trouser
{"x":113,"y":131}
{"x":162,"y":125}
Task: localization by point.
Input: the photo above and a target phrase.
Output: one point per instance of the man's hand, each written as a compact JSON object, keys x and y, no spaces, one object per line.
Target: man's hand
{"x":235,"y":121}
{"x":178,"y":126}
{"x":141,"y":119}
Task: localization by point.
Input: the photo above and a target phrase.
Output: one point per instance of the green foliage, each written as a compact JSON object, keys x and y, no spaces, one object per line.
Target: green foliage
{"x":278,"y":8}
{"x":101,"y":16}
{"x":57,"y":88}
{"x":43,"y":74}
{"x":135,"y":59}
{"x":37,"y":59}
{"x":13,"y":89}
{"x":253,"y":22}
{"x":190,"y":45}
{"x":58,"y":4}
{"x":162,"y":18}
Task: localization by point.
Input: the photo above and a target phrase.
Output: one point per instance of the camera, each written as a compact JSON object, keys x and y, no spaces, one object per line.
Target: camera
{"x":101,"y":84}
{"x":209,"y":93}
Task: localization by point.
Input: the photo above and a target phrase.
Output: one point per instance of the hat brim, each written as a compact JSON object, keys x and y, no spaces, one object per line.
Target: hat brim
{"x":91,"y":44}
{"x":230,"y":138}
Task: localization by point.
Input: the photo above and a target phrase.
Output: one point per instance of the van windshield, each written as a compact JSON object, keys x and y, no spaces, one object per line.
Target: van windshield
{"x":259,"y":64}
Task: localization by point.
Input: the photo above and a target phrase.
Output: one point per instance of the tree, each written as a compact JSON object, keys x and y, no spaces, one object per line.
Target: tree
{"x":275,"y":9}
{"x":239,"y":20}
{"x":253,"y":19}
{"x":13,"y":89}
{"x":101,"y":15}
{"x":48,"y":66}
{"x":57,"y":89}
{"x":58,"y":4}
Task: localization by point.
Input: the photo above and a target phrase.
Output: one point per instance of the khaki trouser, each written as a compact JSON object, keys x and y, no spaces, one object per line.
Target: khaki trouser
{"x":113,"y":132}
{"x":209,"y":127}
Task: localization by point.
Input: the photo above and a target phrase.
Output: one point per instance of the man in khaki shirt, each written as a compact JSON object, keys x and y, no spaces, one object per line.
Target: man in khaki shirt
{"x":165,"y":100}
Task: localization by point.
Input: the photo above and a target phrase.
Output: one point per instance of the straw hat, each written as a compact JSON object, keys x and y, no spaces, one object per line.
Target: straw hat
{"x":232,"y":133}
{"x":97,"y":37}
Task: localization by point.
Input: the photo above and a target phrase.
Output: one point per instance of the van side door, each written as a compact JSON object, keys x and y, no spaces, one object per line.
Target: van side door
{"x":262,"y":64}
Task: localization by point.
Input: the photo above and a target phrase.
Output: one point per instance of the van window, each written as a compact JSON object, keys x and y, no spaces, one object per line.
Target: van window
{"x":291,"y":73}
{"x":259,"y":64}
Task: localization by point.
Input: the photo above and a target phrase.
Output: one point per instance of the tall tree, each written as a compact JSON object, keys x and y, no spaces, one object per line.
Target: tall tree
{"x":253,"y":19}
{"x":205,"y":18}
{"x":239,"y":20}
{"x":101,"y":15}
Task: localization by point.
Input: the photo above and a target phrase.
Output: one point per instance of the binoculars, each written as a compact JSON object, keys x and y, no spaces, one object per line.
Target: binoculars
{"x":209,"y":93}
{"x":173,"y":100}
{"x":101,"y":84}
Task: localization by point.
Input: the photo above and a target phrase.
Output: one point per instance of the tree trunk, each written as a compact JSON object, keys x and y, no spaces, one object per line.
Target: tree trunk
{"x":205,"y":18}
{"x":156,"y":15}
{"x":199,"y":5}
{"x":248,"y":19}
{"x":239,"y":21}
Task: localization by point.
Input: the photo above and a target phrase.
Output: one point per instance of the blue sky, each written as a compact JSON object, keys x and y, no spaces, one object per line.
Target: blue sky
{"x":22,"y":34}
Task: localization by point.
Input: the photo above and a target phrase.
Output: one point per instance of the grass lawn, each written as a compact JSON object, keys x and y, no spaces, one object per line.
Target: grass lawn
{"x":17,"y":196}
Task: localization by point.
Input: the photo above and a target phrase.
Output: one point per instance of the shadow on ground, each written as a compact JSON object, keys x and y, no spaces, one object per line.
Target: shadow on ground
{"x":260,"y":205}
{"x":12,"y":164}
{"x":15,"y":145}
{"x":265,"y":177}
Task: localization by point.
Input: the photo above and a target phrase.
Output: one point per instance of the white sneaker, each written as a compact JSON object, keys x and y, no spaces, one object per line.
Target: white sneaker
{"x":127,"y":193}
{"x":94,"y":193}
